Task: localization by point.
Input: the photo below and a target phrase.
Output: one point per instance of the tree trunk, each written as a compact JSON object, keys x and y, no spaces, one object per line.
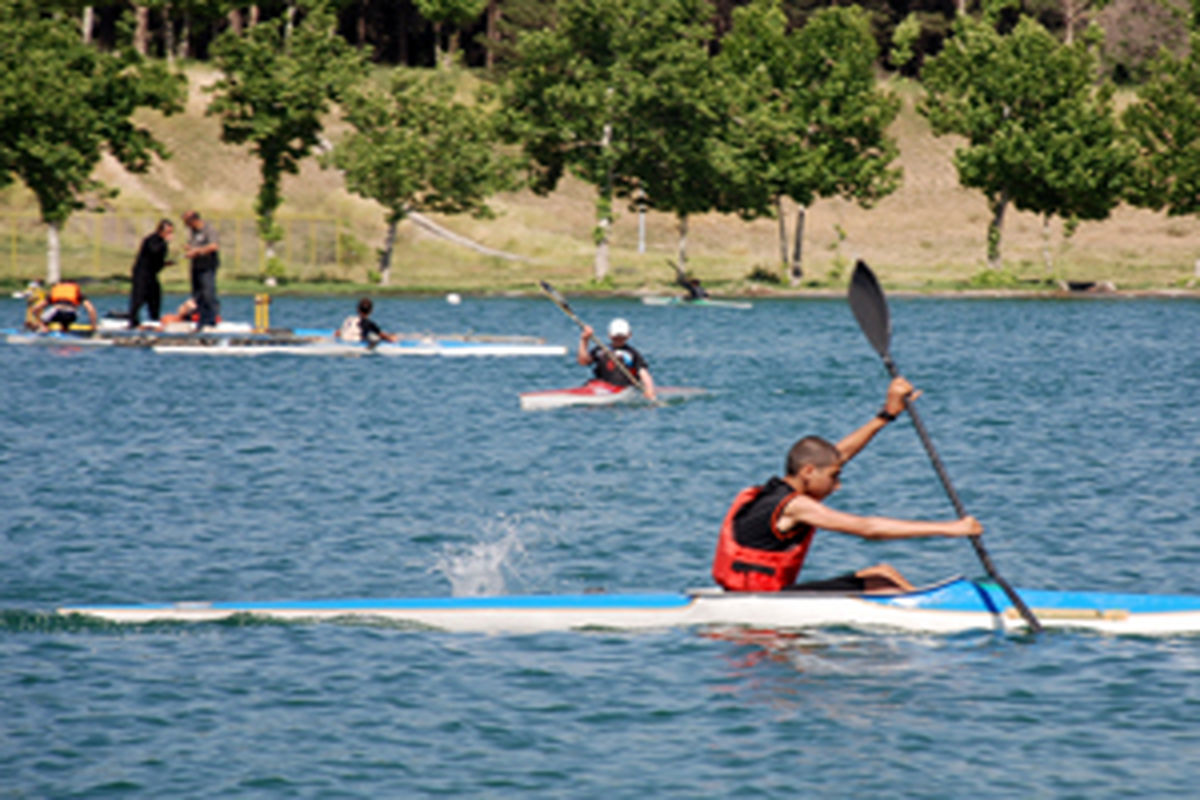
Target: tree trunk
{"x":361,"y":25}
{"x":141,"y":31}
{"x":996,"y":230}
{"x":604,"y":205}
{"x":783,"y":250}
{"x":439,"y":54}
{"x":235,"y":21}
{"x":1046,"y":257}
{"x":53,"y":254}
{"x":289,"y":20}
{"x":86,"y":22}
{"x":797,"y":265}
{"x":385,"y":255}
{"x":493,"y":32}
{"x":185,"y":35}
{"x":402,"y":34}
{"x":681,"y":251}
{"x":641,"y":228}
{"x":168,"y":33}
{"x":1070,"y":17}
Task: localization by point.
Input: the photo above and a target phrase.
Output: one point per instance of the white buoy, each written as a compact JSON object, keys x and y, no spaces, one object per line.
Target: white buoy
{"x":453,"y":299}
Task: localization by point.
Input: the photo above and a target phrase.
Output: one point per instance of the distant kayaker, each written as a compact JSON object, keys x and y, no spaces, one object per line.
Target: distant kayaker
{"x":691,"y":285}
{"x":604,"y":369}
{"x":361,"y":328}
{"x":694,"y":290}
{"x":768,"y":529}
{"x":61,"y":307}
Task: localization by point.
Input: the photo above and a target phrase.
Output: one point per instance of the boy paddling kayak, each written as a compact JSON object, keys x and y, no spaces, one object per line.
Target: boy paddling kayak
{"x":768,"y":529}
{"x":605,"y":367}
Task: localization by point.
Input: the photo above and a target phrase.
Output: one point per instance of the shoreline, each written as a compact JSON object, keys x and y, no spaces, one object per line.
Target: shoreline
{"x":237,"y":288}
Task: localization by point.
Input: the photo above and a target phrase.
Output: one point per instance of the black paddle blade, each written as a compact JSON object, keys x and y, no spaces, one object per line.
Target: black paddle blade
{"x":870,"y":308}
{"x":554,"y":295}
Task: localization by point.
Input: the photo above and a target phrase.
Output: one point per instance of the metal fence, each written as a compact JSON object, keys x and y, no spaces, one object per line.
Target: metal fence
{"x":103,"y":246}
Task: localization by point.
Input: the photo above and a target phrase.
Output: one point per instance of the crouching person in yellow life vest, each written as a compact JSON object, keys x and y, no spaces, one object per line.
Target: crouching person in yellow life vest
{"x":768,"y":529}
{"x":61,"y":307}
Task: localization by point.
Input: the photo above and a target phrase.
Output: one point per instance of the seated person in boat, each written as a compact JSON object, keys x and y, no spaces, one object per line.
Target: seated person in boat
{"x":694,"y":290}
{"x":61,"y":307}
{"x":768,"y":529}
{"x":605,"y":369}
{"x":188,"y":313}
{"x":361,"y":328}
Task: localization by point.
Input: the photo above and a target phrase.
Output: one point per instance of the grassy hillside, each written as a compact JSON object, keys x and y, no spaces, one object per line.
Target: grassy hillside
{"x":930,"y":233}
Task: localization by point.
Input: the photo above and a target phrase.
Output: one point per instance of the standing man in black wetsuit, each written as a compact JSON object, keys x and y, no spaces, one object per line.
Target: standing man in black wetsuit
{"x":202,"y":250}
{"x":605,"y":370}
{"x":151,"y":260}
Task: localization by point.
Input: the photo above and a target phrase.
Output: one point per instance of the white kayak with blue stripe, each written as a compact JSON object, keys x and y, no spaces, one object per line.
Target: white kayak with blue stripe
{"x":955,"y":605}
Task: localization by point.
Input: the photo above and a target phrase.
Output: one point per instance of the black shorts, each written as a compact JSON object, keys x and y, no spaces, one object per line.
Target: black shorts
{"x":841,"y":583}
{"x":58,"y":315}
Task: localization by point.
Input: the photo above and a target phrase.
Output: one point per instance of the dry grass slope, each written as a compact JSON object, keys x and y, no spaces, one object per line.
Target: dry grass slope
{"x":930,"y":233}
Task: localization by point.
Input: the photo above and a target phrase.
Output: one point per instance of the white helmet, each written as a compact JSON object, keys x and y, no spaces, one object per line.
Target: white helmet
{"x":619,"y":327}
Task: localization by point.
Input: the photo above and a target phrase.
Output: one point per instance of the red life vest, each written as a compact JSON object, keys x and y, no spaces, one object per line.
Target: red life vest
{"x":66,"y":292}
{"x":745,"y":569}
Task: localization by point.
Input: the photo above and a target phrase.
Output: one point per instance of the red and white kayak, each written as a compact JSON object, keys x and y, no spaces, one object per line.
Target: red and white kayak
{"x":600,"y":393}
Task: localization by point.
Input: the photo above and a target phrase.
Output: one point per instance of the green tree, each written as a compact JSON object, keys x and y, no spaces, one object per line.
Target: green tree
{"x":273,"y":93}
{"x":1165,"y":124}
{"x":806,"y":118}
{"x":456,"y":14}
{"x":415,"y":148}
{"x":63,"y":104}
{"x":580,"y":98}
{"x":674,"y":107}
{"x":1040,"y":135}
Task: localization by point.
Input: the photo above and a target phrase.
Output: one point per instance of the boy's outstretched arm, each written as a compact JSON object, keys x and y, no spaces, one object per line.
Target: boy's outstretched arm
{"x":899,"y":392}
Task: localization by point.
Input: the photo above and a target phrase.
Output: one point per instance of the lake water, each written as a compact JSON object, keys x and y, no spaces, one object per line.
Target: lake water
{"x":1071,"y":429}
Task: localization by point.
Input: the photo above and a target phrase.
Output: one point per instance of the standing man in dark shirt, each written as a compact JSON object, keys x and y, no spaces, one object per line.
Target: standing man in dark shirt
{"x":151,"y":260}
{"x":202,"y":250}
{"x":606,"y":370}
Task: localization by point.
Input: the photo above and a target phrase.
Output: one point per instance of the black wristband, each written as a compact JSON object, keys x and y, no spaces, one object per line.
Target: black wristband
{"x":885,"y":416}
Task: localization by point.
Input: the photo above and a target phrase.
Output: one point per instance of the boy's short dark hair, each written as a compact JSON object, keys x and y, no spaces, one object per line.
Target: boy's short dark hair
{"x":811,"y":450}
{"x":365,"y":305}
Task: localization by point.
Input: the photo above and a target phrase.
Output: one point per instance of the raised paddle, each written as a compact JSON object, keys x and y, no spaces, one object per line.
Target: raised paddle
{"x":562,"y":303}
{"x":871,"y":310}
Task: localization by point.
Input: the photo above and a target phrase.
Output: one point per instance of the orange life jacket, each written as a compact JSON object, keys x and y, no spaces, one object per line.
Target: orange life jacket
{"x":745,"y":569}
{"x":66,"y":292}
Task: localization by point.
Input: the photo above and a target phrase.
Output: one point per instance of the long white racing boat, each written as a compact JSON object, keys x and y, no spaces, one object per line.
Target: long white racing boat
{"x":239,"y":339}
{"x":446,"y":346}
{"x":601,"y":393}
{"x":955,"y":605}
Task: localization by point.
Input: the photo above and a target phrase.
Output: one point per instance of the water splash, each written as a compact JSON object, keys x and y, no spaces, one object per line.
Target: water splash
{"x":494,"y":562}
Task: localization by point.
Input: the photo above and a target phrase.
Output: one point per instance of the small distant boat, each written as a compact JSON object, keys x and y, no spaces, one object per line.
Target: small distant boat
{"x":708,"y":302}
{"x":600,"y":393}
{"x":952,"y":606}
